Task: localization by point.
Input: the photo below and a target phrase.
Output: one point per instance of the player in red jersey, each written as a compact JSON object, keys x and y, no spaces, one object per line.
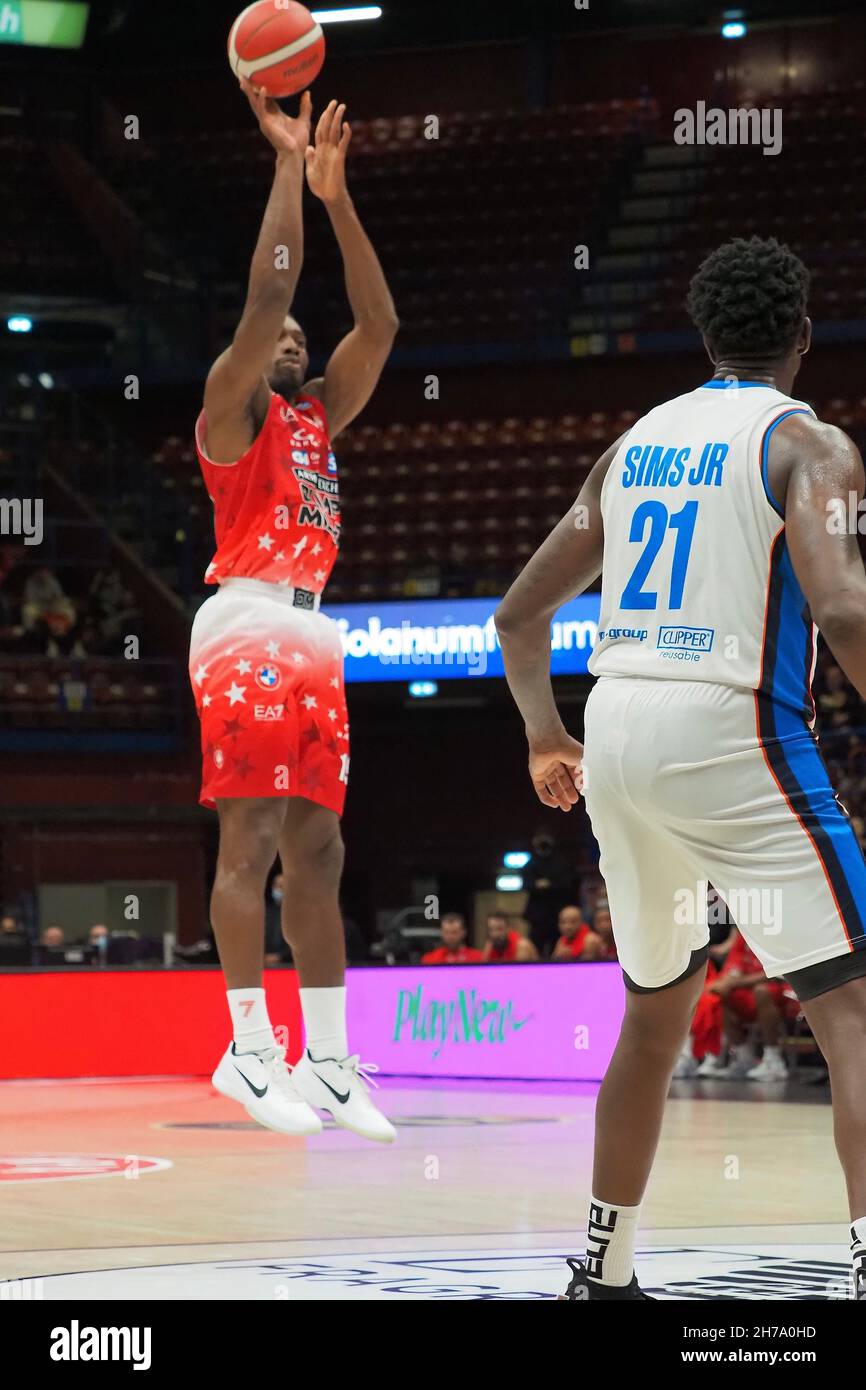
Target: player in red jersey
{"x":266,"y":666}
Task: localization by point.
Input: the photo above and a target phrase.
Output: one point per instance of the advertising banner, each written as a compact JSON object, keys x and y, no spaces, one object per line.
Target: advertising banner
{"x":530,"y":1022}
{"x":450,"y":639}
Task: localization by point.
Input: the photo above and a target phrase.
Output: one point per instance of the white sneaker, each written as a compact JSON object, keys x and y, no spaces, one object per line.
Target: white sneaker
{"x":741,"y":1061}
{"x":770,"y":1068}
{"x":713,"y":1067}
{"x":263,"y":1084}
{"x":687,"y":1065}
{"x":342,"y":1089}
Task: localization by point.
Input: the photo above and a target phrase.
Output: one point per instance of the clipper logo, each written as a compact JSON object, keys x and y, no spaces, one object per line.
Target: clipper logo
{"x":268,"y":677}
{"x":692,"y":639}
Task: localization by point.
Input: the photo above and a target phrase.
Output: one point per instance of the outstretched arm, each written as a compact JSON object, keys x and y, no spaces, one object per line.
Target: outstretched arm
{"x":236,"y":393}
{"x":568,"y":561}
{"x":356,"y":364}
{"x":825,"y":474}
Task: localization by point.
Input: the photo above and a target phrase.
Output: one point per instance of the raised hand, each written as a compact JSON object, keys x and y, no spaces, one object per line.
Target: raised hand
{"x":326,"y":160}
{"x":287,"y":134}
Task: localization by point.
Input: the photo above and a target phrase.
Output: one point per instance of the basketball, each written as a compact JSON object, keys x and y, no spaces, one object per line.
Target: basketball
{"x":277,"y":45}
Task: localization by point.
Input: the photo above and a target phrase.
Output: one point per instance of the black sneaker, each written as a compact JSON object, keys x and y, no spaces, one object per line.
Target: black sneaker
{"x":582,"y":1288}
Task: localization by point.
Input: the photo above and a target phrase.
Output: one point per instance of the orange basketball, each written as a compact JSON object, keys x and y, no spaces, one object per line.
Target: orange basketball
{"x":277,"y":45}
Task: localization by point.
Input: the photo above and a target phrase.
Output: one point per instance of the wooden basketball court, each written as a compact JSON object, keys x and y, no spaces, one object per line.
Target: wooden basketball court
{"x":160,"y":1188}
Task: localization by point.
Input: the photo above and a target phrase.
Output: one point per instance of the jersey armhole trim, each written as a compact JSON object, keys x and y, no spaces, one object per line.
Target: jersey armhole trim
{"x":765,"y":451}
{"x":234,"y":463}
{"x":202,"y":450}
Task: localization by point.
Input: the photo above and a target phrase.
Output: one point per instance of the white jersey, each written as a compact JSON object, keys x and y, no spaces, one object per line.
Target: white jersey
{"x":697,"y":582}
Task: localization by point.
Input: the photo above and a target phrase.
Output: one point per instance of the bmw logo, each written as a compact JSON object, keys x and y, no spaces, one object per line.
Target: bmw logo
{"x":268,"y":677}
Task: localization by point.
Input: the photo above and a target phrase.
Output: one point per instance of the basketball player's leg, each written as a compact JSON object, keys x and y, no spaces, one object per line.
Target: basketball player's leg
{"x":660,"y":929}
{"x":778,"y":839}
{"x":253,"y":1069}
{"x":631,"y":1101}
{"x":838,"y":1020}
{"x":312,"y":854}
{"x":249,"y":836}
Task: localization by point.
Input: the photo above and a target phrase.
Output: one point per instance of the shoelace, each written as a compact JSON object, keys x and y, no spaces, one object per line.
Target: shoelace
{"x":361,"y":1069}
{"x":274,"y":1058}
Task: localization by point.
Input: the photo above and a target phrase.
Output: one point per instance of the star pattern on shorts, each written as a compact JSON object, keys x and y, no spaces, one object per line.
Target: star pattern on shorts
{"x":272,"y":649}
{"x":243,"y":767}
{"x":242,"y":667}
{"x":310,"y":702}
{"x":236,"y":694}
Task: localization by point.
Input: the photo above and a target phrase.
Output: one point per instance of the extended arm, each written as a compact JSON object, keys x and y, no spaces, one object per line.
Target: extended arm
{"x":825,"y":475}
{"x":236,"y":393}
{"x":356,"y":364}
{"x":567,"y":562}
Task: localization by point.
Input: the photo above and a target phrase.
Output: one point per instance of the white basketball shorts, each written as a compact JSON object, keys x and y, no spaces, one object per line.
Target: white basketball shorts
{"x":689,"y":783}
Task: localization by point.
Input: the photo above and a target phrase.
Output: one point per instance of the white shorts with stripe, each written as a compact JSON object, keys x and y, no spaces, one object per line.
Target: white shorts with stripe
{"x":684,"y":786}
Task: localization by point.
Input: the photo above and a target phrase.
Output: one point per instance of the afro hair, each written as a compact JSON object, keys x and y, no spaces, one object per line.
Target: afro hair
{"x":748,"y":298}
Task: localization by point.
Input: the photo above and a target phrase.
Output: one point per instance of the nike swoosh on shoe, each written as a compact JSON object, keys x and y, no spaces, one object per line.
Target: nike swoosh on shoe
{"x":255,"y":1089}
{"x":335,"y":1094}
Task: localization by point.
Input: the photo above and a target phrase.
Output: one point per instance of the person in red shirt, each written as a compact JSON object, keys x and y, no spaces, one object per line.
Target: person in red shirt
{"x":504,"y":943}
{"x":266,"y":666}
{"x":453,"y":950}
{"x":735,"y":997}
{"x":578,"y":941}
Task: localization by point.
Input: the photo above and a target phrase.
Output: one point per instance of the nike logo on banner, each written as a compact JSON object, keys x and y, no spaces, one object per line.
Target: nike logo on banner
{"x":255,"y":1090}
{"x":335,"y":1094}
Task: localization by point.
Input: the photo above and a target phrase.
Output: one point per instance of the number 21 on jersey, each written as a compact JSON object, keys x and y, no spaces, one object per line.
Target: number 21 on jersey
{"x":649,"y":526}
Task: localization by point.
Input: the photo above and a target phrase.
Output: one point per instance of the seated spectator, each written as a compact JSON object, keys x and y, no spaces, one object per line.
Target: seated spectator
{"x":453,"y":950}
{"x":14,"y":943}
{"x":59,"y":633}
{"x":43,"y":594}
{"x":98,"y":937}
{"x":736,"y":997}
{"x":573,"y":931}
{"x":578,"y":941}
{"x":52,"y":943}
{"x":504,"y":942}
{"x":600,"y":944}
{"x":112,"y":607}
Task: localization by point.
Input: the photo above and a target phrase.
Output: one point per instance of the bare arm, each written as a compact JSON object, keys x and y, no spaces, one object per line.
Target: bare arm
{"x":236,"y":393}
{"x":568,"y":561}
{"x":825,"y":471}
{"x":356,"y":364}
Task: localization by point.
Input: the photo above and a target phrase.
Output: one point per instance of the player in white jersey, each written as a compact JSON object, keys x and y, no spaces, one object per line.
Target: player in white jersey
{"x":716,"y":524}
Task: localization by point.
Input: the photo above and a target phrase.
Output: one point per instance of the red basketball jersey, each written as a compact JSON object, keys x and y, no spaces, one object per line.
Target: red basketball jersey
{"x":277,"y":509}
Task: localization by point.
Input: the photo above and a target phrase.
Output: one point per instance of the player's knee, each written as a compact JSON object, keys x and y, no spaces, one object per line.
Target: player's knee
{"x":248,"y":847}
{"x":319,"y":862}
